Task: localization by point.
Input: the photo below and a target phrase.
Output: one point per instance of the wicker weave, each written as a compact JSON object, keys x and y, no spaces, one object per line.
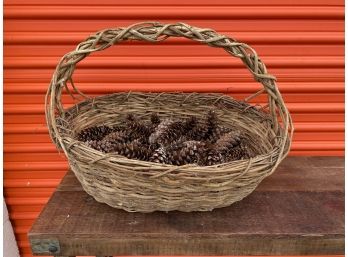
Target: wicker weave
{"x":142,"y":186}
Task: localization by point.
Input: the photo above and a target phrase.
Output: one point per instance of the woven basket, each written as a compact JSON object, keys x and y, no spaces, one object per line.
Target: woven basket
{"x":142,"y":186}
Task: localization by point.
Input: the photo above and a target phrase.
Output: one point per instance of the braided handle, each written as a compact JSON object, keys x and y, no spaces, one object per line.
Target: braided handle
{"x":155,"y":32}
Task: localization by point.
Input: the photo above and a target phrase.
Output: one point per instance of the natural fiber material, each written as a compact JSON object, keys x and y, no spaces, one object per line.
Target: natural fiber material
{"x":142,"y":186}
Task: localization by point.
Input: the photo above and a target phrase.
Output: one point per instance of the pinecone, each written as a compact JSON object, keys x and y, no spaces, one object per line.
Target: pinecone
{"x":227,"y":141}
{"x":132,"y":150}
{"x":106,"y":143}
{"x":130,"y":117}
{"x":92,"y":143}
{"x":236,"y":153}
{"x":211,"y":121}
{"x":175,"y":130}
{"x":159,"y":156}
{"x":177,"y":144}
{"x":240,"y":152}
{"x":216,"y":133}
{"x":155,"y":120}
{"x":118,"y":137}
{"x":186,"y":152}
{"x":221,"y":150}
{"x":212,"y":157}
{"x":198,"y":131}
{"x":137,"y":129}
{"x":166,"y":132}
{"x":190,"y":123}
{"x":118,"y":127}
{"x":93,"y":133}
{"x":101,"y":145}
{"x":248,"y":152}
{"x":152,"y":124}
{"x":203,"y":130}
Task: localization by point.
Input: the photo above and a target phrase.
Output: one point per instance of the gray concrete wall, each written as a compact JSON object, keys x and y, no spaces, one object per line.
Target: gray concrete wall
{"x":10,"y":245}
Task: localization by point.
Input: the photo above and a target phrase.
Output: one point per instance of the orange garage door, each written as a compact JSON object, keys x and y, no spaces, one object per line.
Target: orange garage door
{"x":301,"y":41}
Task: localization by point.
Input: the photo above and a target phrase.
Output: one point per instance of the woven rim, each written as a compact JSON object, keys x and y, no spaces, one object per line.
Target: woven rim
{"x":156,"y":32}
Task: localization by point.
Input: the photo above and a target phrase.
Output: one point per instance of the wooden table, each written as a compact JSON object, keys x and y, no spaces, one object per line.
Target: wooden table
{"x":299,"y":210}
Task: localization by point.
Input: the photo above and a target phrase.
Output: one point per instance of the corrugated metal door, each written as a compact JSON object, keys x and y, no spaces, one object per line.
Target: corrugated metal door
{"x":301,"y":41}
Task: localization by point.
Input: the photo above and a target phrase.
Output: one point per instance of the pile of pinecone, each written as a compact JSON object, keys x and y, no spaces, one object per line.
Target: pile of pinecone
{"x":170,"y":141}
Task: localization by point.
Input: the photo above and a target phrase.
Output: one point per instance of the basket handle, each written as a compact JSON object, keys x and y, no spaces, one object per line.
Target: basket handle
{"x":155,"y":32}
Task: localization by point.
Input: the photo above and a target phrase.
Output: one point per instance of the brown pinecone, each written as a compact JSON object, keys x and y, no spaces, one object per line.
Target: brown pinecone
{"x":220,"y":151}
{"x":118,"y":137}
{"x":166,"y":132}
{"x":240,"y":152}
{"x":190,"y":123}
{"x":174,"y":130}
{"x":137,"y":129}
{"x":132,"y":150}
{"x":248,"y":152}
{"x":211,"y":121}
{"x":186,"y":152}
{"x":92,"y":143}
{"x":203,"y":130}
{"x":93,"y":133}
{"x":227,"y":141}
{"x":236,"y":153}
{"x":130,"y":117}
{"x":118,"y":128}
{"x":152,"y":125}
{"x":159,"y":156}
{"x":198,"y":132}
{"x":101,"y":145}
{"x":216,"y":133}
{"x":212,"y":157}
{"x":106,"y":144}
{"x":155,"y":120}
{"x":177,"y":144}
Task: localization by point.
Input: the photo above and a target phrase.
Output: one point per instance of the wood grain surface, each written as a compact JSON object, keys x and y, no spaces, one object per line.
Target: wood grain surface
{"x":298,"y":210}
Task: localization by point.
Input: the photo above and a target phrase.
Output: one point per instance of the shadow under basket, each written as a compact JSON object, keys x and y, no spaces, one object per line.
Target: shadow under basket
{"x":143,"y":186}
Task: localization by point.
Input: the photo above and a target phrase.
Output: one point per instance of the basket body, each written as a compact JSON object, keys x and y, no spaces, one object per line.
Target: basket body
{"x":142,"y":186}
